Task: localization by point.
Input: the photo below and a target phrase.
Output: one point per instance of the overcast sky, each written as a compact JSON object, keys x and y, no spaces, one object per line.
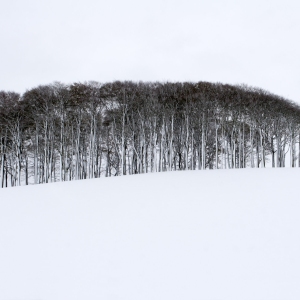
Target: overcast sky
{"x":253,"y":42}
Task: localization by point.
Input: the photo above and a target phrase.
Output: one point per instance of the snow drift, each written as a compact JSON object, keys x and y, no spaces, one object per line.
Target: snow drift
{"x":222,"y":234}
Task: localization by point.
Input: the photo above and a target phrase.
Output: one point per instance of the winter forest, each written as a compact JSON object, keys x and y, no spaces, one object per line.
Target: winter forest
{"x":63,"y":132}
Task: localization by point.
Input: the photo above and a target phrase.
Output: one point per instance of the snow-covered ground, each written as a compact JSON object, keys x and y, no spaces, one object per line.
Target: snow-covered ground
{"x":192,"y":235}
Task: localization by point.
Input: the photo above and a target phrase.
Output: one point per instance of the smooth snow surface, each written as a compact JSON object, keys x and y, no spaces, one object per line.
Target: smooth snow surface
{"x":193,"y":235}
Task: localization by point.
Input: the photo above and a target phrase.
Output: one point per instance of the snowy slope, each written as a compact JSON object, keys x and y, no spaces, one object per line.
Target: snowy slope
{"x":221,"y":234}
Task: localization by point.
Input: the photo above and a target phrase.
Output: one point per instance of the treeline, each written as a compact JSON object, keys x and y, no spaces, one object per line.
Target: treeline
{"x":63,"y":132}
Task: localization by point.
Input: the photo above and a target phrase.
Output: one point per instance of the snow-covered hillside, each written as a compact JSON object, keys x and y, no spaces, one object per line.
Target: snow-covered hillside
{"x":222,"y":234}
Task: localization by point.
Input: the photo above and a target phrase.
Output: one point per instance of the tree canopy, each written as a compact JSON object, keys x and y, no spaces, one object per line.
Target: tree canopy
{"x":60,"y":132}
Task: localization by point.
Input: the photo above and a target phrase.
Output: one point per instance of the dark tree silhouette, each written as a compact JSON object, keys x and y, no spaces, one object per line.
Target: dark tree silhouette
{"x":63,"y":132}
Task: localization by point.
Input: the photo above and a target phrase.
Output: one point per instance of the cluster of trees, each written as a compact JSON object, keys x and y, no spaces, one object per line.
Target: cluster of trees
{"x":63,"y":132}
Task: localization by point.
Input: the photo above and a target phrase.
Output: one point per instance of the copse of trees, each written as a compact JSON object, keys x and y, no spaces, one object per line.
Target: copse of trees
{"x":63,"y":132}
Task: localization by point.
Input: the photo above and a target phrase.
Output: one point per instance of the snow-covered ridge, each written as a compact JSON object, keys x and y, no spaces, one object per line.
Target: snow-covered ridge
{"x":222,"y":234}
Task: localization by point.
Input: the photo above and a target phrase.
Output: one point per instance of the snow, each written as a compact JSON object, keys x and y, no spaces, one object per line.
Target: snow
{"x":220,"y":234}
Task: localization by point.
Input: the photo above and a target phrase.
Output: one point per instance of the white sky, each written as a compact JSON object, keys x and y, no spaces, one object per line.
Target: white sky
{"x":253,"y":42}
